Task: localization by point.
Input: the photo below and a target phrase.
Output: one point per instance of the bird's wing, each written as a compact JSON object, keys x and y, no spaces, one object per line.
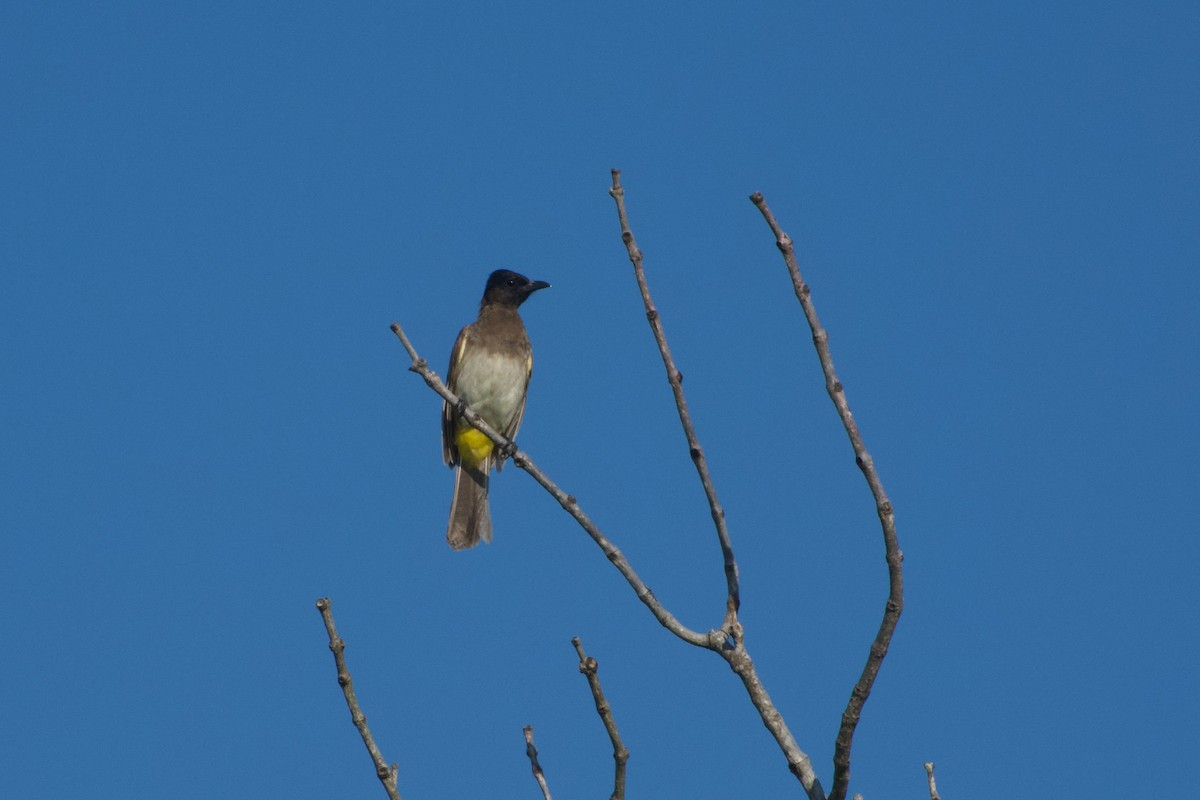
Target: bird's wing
{"x":510,"y":430}
{"x":449,"y":451}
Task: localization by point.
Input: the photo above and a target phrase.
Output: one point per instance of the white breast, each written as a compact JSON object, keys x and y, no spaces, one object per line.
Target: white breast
{"x":492,"y":385}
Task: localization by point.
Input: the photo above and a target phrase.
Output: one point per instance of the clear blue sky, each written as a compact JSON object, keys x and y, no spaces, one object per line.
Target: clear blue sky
{"x":211,"y":212}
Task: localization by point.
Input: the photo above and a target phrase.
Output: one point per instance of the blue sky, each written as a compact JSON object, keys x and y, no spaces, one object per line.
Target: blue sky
{"x":212,"y":212}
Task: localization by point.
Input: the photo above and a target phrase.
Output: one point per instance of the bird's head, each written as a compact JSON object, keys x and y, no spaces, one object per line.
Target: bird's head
{"x":505,"y":287}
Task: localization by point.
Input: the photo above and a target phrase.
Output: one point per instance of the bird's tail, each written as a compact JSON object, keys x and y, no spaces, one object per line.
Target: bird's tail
{"x":470,"y":519}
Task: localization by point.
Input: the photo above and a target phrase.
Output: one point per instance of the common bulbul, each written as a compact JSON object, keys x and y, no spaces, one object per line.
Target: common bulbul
{"x":489,"y":371}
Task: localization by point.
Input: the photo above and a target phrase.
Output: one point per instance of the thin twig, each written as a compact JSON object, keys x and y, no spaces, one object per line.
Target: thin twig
{"x":675,"y":378}
{"x":883,"y":507}
{"x":933,"y":792}
{"x":590,"y":668}
{"x":531,"y":751}
{"x":568,"y":502}
{"x":386,"y":774}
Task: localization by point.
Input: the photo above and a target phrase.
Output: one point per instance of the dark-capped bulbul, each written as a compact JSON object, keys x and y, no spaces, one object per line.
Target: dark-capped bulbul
{"x":489,"y":370}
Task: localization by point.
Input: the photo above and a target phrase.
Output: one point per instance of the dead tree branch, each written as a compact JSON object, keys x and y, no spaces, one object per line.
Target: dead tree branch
{"x":386,"y":774}
{"x":883,"y":507}
{"x":590,"y":668}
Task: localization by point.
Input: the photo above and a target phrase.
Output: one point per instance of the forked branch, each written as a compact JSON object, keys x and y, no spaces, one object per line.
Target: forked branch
{"x":883,"y":507}
{"x":733,"y":648}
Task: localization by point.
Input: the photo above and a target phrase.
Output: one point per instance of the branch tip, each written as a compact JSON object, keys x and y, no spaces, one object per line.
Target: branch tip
{"x":532,"y":753}
{"x":590,"y":669}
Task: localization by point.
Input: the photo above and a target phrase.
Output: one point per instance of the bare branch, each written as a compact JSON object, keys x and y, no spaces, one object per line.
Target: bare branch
{"x":933,"y":792}
{"x":883,"y":507}
{"x":386,"y":774}
{"x":568,"y":502}
{"x":590,"y":668}
{"x":675,"y":378}
{"x":531,"y":751}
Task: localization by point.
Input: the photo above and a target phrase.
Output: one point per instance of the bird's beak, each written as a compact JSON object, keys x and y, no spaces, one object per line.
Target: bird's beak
{"x":535,"y":285}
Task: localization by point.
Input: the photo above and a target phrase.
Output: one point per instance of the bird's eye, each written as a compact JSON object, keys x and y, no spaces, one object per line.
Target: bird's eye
{"x":512,"y":281}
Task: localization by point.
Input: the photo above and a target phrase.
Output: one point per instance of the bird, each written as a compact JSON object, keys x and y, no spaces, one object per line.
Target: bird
{"x":490,"y":367}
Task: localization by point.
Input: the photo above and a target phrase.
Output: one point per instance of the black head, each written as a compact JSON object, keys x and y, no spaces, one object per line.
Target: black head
{"x":508,"y":288}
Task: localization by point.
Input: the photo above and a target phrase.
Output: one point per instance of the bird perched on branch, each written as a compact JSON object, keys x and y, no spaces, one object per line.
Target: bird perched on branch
{"x":489,"y":371}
